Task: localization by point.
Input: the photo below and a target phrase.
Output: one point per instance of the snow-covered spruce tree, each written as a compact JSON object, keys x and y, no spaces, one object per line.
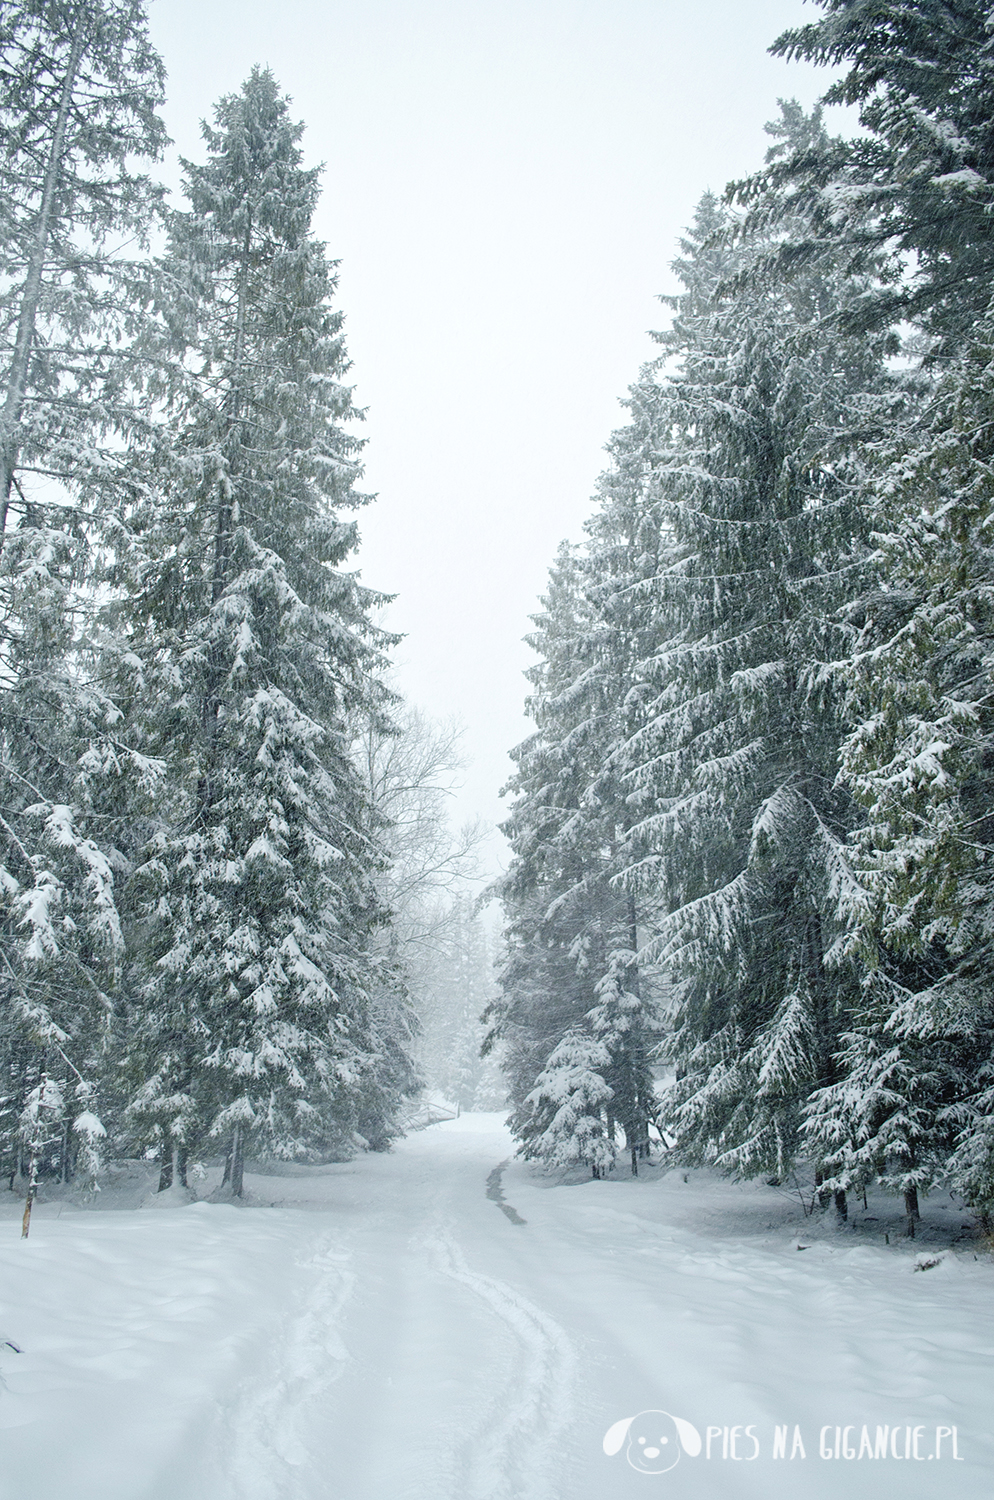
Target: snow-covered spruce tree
{"x":758,"y":499}
{"x":79,"y":83}
{"x":917,"y":1104}
{"x":546,"y":986}
{"x":917,"y":186}
{"x":254,"y":1015}
{"x":903,"y":1089}
{"x":624,"y":552}
{"x":571,"y":966}
{"x":565,"y":1120}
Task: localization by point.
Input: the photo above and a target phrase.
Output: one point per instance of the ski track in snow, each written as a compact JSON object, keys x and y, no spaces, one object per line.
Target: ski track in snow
{"x":512,"y":1454}
{"x":267,"y":1437}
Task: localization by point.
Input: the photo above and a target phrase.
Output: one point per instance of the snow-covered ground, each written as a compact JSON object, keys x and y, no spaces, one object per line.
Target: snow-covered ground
{"x":385,"y":1330}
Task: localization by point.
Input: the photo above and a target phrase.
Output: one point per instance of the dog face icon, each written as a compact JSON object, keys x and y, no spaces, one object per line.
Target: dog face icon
{"x":654,"y":1440}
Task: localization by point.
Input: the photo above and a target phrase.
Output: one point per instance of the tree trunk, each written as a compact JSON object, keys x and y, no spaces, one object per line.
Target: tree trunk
{"x":633,"y":938}
{"x":32,"y":1193}
{"x":17,"y":377}
{"x":911,"y":1209}
{"x":820,"y":1192}
{"x":237,"y":1162}
{"x":165,"y":1165}
{"x":814,"y":962}
{"x":642,"y":1108}
{"x":210,"y":708}
{"x":841,"y":1206}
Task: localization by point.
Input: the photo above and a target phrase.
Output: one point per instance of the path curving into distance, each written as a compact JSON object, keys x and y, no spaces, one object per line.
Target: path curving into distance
{"x":372,"y":1330}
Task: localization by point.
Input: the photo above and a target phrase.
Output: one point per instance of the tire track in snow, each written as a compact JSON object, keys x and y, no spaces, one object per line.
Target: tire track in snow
{"x":268,"y":1428}
{"x":513,"y":1454}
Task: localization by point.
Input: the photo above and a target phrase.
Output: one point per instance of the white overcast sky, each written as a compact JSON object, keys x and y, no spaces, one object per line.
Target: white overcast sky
{"x":505,"y":182}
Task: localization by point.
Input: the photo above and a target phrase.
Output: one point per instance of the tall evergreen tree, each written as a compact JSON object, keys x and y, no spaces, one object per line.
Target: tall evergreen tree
{"x":553,"y":907}
{"x":912,"y":194}
{"x":915,"y":1103}
{"x":625,"y":548}
{"x":760,"y":540}
{"x":79,"y":83}
{"x":571,"y":967}
{"x":258,"y":888}
{"x":746,"y":835}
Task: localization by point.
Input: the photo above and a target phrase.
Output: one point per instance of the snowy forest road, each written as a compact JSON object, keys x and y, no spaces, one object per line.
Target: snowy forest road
{"x":380,"y":1330}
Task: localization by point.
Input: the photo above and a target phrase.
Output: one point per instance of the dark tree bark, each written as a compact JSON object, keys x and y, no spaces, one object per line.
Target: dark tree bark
{"x":911,"y":1209}
{"x":237,"y":1162}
